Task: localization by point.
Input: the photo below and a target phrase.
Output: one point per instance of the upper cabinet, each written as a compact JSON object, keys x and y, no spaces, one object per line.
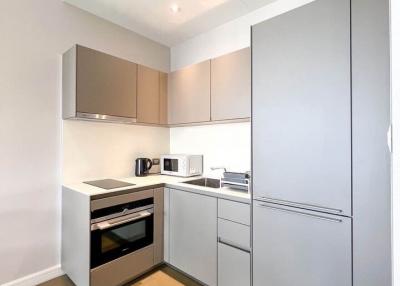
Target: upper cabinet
{"x":215,"y":90}
{"x":163,"y":98}
{"x":152,"y":100}
{"x":148,"y":95}
{"x":189,"y":94}
{"x":98,"y":86}
{"x":231,"y":86}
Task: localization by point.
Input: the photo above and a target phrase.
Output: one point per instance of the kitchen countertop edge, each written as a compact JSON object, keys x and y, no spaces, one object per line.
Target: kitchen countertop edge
{"x":159,"y":181}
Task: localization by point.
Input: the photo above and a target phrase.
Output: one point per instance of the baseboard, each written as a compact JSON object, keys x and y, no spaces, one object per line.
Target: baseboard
{"x":38,"y":277}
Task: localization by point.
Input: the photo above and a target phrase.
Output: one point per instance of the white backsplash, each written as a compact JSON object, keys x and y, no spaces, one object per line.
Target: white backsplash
{"x":223,"y":145}
{"x":93,"y":150}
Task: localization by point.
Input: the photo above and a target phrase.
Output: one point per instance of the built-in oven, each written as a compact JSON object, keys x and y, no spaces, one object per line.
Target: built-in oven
{"x":121,"y":229}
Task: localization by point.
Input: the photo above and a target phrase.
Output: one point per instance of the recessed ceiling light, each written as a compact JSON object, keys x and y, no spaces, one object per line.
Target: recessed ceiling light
{"x":175,"y":8}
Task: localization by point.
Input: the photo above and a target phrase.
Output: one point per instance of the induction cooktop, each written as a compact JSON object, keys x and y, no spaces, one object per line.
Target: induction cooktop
{"x":108,"y":184}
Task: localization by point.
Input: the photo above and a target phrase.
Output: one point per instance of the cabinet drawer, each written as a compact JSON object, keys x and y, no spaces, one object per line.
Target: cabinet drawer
{"x":234,"y":211}
{"x":234,"y":233}
{"x":233,"y":266}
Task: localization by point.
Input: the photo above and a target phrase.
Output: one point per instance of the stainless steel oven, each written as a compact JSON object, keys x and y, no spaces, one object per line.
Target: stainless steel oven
{"x":121,"y":229}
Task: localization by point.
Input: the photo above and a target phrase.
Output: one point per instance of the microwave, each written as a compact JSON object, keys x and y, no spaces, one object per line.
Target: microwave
{"x":182,"y":165}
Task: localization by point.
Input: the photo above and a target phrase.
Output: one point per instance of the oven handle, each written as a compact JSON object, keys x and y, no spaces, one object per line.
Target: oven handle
{"x":121,"y":220}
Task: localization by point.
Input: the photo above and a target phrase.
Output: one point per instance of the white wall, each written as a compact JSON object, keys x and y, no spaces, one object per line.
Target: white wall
{"x":95,"y":150}
{"x":395,"y":18}
{"x":226,"y":145}
{"x":229,"y":37}
{"x":33,"y":36}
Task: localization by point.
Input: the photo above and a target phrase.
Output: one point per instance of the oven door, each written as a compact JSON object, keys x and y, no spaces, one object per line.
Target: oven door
{"x":119,"y":236}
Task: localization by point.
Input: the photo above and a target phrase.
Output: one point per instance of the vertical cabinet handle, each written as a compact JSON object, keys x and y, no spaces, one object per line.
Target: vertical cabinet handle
{"x":390,"y":138}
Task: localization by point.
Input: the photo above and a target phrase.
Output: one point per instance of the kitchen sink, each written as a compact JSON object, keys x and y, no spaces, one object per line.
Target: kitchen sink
{"x":205,"y":182}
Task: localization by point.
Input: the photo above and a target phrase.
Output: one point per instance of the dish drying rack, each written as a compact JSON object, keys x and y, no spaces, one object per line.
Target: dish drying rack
{"x":238,"y":181}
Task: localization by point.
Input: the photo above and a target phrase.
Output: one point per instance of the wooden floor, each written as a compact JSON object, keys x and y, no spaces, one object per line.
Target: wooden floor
{"x":162,"y":276}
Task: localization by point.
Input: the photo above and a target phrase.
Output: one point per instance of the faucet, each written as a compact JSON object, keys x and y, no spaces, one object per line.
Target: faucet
{"x":218,"y":168}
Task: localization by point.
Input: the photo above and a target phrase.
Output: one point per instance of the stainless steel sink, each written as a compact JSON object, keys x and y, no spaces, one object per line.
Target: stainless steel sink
{"x":205,"y":182}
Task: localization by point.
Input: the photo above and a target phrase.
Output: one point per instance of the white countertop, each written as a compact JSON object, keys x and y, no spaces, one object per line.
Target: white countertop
{"x":161,"y":180}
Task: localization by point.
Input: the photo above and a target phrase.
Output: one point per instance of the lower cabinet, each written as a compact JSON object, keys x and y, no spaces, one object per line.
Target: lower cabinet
{"x":193,"y":235}
{"x":233,"y":253}
{"x":298,"y":247}
{"x":233,"y":266}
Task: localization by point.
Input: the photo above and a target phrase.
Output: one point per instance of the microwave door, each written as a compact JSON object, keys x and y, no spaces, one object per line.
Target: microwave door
{"x":171,"y":165}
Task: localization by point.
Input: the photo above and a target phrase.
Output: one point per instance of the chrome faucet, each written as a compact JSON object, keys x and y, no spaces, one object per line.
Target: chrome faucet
{"x":218,"y":168}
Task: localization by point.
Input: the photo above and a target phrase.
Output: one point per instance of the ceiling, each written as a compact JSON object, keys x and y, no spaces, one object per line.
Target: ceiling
{"x":155,"y":19}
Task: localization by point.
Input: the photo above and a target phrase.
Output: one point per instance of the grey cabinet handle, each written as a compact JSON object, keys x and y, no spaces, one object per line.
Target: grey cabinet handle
{"x":389,"y":135}
{"x":301,"y":213}
{"x":233,"y":244}
{"x":300,"y":205}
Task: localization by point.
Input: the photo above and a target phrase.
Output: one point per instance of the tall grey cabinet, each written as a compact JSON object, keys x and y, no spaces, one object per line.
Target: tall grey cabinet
{"x":301,"y":107}
{"x":371,"y":155}
{"x":321,"y":166}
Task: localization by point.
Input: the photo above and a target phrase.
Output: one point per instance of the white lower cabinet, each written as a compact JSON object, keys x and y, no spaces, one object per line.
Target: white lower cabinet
{"x":233,"y":253}
{"x":193,"y":235}
{"x":233,"y":266}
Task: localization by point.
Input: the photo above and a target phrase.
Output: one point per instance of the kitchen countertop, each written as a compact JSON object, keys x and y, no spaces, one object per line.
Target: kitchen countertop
{"x":157,"y":181}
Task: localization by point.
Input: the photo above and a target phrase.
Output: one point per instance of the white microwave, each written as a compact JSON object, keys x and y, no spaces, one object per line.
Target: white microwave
{"x":182,"y":165}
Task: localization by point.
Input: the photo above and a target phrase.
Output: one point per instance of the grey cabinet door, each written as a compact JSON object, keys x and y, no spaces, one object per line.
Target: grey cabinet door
{"x":231,"y":86}
{"x":189,"y":94}
{"x":105,"y":84}
{"x":302,"y":106}
{"x":193,"y":235}
{"x":148,"y":95}
{"x":302,"y":248}
{"x":233,"y":266}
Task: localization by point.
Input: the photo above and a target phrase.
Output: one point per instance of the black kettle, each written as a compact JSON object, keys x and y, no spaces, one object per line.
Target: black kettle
{"x":142,"y":166}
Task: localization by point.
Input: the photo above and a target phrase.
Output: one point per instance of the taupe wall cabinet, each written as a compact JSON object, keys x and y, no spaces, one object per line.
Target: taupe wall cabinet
{"x":148,"y":100}
{"x":163,"y":98}
{"x":189,"y":94}
{"x":231,"y":86}
{"x":98,"y":85}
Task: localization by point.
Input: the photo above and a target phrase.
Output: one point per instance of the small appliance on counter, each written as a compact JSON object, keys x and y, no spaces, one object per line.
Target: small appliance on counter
{"x":182,"y":165}
{"x":142,"y":166}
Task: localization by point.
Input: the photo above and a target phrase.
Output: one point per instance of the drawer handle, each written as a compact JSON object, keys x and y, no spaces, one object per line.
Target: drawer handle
{"x":232,"y":244}
{"x":301,"y":213}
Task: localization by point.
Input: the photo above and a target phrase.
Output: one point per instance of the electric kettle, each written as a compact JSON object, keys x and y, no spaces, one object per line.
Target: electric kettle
{"x":142,"y":166}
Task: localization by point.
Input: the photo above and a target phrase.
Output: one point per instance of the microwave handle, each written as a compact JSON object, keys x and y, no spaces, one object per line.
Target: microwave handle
{"x":122,"y":220}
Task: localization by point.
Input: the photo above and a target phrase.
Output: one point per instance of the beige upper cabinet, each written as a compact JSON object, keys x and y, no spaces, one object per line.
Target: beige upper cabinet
{"x":163,"y":98}
{"x":189,"y":94}
{"x":148,"y":95}
{"x":231,"y":86}
{"x":105,"y":84}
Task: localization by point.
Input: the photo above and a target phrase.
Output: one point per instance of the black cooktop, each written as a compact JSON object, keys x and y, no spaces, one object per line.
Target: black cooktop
{"x":108,"y":184}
